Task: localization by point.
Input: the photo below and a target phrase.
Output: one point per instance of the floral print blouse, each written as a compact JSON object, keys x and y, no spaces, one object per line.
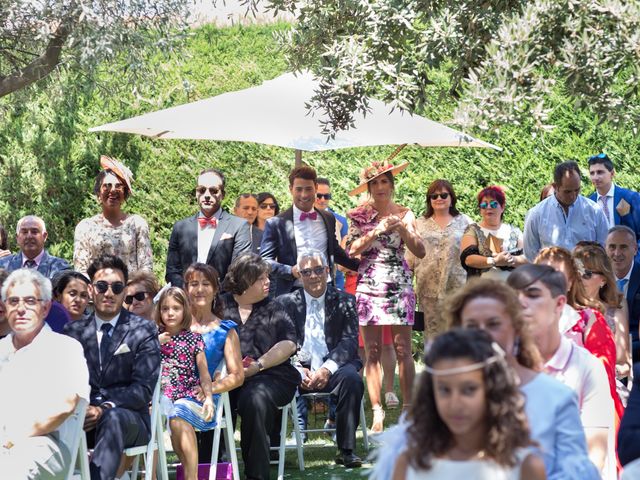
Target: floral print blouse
{"x":130,"y":241}
{"x":179,"y":368}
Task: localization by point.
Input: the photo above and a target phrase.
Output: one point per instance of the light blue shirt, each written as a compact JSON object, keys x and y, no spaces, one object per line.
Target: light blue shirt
{"x":547,"y":225}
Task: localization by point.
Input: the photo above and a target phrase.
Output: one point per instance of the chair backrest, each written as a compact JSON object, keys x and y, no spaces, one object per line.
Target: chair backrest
{"x":156,"y":411}
{"x":71,"y":432}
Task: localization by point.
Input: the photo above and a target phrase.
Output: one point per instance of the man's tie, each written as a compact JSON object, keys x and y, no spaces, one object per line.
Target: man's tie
{"x":621,"y":283}
{"x":30,"y":264}
{"x":204,"y":221}
{"x":105,"y":342}
{"x":308,"y":215}
{"x":605,"y":206}
{"x":316,"y":360}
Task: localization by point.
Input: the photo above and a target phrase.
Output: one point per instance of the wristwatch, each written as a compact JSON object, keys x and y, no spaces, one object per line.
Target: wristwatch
{"x":260,"y":366}
{"x":491,"y":261}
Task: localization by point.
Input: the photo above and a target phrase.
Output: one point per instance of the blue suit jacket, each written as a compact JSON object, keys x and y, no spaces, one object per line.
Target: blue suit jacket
{"x":633,"y":300}
{"x":127,"y":379}
{"x":49,"y":265}
{"x":279,"y":248}
{"x":632,"y":218}
{"x":232,"y":238}
{"x":629,"y":432}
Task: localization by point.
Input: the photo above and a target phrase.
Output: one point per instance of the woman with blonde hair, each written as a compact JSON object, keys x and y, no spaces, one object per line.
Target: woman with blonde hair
{"x":599,"y":283}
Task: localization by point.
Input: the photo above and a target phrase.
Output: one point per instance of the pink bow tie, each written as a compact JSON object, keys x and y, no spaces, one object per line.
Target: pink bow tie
{"x":308,"y":215}
{"x":204,"y":221}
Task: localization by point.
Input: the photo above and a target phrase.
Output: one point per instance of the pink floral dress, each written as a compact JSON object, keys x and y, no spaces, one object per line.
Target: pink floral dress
{"x":384,"y":295}
{"x":179,"y":370}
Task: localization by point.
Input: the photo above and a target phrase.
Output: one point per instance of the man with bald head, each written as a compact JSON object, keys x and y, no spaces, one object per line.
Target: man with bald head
{"x":31,"y":235}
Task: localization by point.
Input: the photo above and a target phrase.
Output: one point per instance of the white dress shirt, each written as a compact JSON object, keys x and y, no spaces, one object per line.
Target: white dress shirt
{"x":309,"y":234}
{"x":315,"y":344}
{"x":608,"y":198}
{"x":205,"y":237}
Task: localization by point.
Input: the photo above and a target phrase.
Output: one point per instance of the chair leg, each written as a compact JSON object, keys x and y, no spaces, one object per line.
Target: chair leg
{"x":231,"y":443}
{"x":84,"y":459}
{"x":134,"y":467}
{"x":283,"y":442}
{"x":163,"y":470}
{"x":297,"y":434}
{"x":363,"y":426}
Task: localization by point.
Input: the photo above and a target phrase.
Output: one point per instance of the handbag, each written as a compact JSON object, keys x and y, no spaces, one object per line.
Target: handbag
{"x":224,"y":471}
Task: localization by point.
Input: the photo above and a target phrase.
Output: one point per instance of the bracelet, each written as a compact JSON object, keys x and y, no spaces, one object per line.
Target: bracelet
{"x":491,"y":261}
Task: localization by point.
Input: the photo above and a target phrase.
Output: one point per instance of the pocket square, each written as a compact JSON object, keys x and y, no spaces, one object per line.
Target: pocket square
{"x":124,"y":348}
{"x":226,"y":236}
{"x":623,"y":208}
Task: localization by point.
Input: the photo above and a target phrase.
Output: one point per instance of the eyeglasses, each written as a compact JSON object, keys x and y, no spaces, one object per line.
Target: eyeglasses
{"x":139,"y":296}
{"x":265,"y":206}
{"x":491,"y":204}
{"x":212,"y":190}
{"x":29,"y":302}
{"x":307,"y":272}
{"x":116,"y":287}
{"x":443,"y":196}
{"x":588,"y":274}
{"x":326,"y":196}
{"x":107,"y":187}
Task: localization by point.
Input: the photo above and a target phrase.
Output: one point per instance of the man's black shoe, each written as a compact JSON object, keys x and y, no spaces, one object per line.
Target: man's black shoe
{"x":348,"y":459}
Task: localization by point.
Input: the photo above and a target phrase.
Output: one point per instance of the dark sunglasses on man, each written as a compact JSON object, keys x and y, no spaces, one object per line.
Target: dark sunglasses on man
{"x":116,"y":287}
{"x":326,"y":196}
{"x":212,"y":190}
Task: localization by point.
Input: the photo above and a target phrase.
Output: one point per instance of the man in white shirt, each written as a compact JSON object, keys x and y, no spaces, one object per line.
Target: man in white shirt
{"x":43,"y":375}
{"x":541,"y":292}
{"x":301,"y":227}
{"x":327,"y":330}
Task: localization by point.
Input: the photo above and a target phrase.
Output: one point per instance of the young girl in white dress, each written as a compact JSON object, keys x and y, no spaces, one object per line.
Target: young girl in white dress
{"x":467,"y":418}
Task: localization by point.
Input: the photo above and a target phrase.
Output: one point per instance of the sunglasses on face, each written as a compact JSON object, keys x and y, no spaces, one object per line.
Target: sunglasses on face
{"x":326,"y":196}
{"x":491,"y":204}
{"x":107,"y":187}
{"x":139,"y":296}
{"x":265,"y":206}
{"x":588,"y":274}
{"x":116,"y":287}
{"x":443,"y":196}
{"x":600,"y":156}
{"x":307,"y":272}
{"x":212,"y":190}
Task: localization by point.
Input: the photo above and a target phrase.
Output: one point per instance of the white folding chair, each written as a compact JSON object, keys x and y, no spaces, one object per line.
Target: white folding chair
{"x":224,"y":421}
{"x":156,"y":442}
{"x":290,"y":408}
{"x":71,"y":433}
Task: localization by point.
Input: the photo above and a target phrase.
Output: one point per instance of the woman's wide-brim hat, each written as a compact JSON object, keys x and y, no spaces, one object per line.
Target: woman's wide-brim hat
{"x":117,"y":167}
{"x":374,"y":171}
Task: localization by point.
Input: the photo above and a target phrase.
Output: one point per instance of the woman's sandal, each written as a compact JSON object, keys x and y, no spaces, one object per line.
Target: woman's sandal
{"x":378,"y":419}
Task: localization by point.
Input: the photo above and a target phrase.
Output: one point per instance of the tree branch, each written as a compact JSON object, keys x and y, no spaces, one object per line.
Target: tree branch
{"x":40,"y":67}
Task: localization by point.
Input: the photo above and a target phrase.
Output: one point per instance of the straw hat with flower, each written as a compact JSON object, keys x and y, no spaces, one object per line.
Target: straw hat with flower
{"x":374,"y":171}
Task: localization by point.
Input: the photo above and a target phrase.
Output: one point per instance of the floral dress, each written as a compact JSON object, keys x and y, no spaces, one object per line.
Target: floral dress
{"x":384,"y":295}
{"x":440,"y":271}
{"x":130,"y":241}
{"x":179,"y":371}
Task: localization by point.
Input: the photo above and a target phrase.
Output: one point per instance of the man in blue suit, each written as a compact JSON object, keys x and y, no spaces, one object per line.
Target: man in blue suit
{"x":123,"y":356}
{"x":31,"y":234}
{"x":622,"y":247}
{"x":301,"y":227}
{"x":620,"y":206}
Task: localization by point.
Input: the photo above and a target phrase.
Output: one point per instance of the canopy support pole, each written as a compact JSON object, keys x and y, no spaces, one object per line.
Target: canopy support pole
{"x":298,"y":158}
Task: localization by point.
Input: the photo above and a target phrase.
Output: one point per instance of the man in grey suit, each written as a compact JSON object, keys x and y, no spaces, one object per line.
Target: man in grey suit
{"x":31,"y":234}
{"x":212,"y":236}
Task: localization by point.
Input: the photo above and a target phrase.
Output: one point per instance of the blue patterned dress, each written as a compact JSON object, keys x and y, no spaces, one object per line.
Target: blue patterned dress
{"x":384,"y":295}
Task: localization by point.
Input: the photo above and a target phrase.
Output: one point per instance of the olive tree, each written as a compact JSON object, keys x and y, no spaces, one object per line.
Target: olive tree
{"x":503,"y":58}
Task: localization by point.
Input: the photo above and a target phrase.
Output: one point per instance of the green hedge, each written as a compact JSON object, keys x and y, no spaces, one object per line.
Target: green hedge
{"x":48,"y":160}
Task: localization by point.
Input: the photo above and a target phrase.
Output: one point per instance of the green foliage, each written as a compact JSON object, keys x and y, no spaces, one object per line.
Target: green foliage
{"x":48,"y":160}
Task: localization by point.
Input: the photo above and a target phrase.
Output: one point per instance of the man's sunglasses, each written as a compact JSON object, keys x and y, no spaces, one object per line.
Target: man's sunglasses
{"x":139,"y":296}
{"x":315,"y":270}
{"x":491,"y":204}
{"x":326,"y":196}
{"x":600,"y":156}
{"x":116,"y":287}
{"x":212,"y":190}
{"x":443,"y":196}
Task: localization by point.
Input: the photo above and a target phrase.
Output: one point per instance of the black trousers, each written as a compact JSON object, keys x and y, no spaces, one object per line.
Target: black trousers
{"x":346,"y":385}
{"x":257,"y":402}
{"x":117,"y":429}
